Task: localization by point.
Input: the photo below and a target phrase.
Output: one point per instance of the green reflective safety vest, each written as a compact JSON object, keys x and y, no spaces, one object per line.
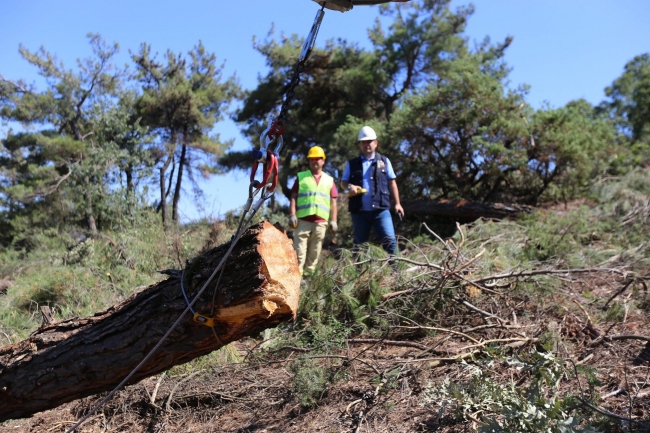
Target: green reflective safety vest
{"x":314,"y":199}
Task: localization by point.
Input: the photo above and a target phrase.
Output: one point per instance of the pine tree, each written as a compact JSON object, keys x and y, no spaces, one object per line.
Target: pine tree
{"x":181,"y":100}
{"x":36,"y":166}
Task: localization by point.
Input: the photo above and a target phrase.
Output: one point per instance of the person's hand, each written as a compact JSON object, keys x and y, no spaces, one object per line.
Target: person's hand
{"x":293,"y":221}
{"x":333,"y":226}
{"x":355,"y":190}
{"x":399,"y":210}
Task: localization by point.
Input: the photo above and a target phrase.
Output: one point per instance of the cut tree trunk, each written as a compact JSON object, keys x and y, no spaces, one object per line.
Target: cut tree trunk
{"x":64,"y":361}
{"x":463,"y":210}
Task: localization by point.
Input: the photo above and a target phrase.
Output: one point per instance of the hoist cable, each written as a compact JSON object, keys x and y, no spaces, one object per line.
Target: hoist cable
{"x":184,"y":294}
{"x":307,"y":48}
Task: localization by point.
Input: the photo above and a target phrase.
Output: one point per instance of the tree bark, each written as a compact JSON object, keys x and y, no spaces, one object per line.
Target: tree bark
{"x":463,"y":210}
{"x":163,"y":196}
{"x":130,"y":188}
{"x":90,"y":218}
{"x":78,"y":357}
{"x":179,"y":180}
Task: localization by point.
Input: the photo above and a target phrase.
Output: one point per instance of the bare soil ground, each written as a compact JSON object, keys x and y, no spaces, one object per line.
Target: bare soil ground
{"x":379,"y":385}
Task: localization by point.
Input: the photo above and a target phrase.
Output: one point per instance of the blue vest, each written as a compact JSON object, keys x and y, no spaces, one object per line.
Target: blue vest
{"x":378,"y":184}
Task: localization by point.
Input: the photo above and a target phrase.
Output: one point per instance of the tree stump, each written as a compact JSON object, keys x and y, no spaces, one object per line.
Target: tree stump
{"x":74,"y":358}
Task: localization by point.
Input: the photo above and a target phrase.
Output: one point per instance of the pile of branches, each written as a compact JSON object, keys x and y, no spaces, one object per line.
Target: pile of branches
{"x":444,"y":308}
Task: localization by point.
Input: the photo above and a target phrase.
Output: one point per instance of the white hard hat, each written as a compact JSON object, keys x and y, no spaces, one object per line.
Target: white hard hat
{"x":367,"y":133}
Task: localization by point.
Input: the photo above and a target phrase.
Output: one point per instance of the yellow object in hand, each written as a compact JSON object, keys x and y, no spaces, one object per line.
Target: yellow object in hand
{"x":359,"y":192}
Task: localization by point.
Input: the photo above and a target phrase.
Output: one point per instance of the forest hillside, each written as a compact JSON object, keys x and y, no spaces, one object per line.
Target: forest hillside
{"x":537,"y":322}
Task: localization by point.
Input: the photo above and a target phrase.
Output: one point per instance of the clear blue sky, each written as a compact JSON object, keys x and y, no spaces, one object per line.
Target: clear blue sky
{"x":563,"y":49}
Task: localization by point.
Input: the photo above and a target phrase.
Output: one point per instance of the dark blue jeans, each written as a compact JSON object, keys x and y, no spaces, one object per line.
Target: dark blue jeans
{"x":381,"y":221}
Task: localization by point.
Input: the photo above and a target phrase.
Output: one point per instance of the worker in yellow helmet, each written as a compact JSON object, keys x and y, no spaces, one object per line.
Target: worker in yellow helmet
{"x":312,"y":209}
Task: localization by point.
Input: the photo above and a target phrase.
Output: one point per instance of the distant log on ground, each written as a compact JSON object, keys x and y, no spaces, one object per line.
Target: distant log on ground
{"x":463,"y":210}
{"x":78,"y":357}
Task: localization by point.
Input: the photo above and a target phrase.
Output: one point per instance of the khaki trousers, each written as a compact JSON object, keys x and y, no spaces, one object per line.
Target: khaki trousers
{"x":308,"y":241}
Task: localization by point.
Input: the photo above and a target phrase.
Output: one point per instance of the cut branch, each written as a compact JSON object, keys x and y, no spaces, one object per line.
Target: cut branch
{"x":501,"y":340}
{"x":78,"y":357}
{"x":436,"y":362}
{"x":547,"y":272}
{"x":387,"y":342}
{"x":608,"y":338}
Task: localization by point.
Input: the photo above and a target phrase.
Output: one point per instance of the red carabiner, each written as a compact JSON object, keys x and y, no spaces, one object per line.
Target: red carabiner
{"x":276,"y":130}
{"x":274,"y":172}
{"x":270,"y":168}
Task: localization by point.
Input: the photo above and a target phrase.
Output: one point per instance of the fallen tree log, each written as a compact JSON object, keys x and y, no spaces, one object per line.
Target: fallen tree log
{"x":463,"y":210}
{"x":78,"y":357}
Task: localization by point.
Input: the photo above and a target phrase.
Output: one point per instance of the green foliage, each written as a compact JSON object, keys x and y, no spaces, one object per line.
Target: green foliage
{"x":117,"y":125}
{"x":70,"y":93}
{"x":68,"y":175}
{"x":590,"y":374}
{"x":627,"y":108}
{"x":459,"y":136}
{"x":475,"y":141}
{"x":182,"y":101}
{"x":47,"y":196}
{"x":534,"y":408}
{"x":329,"y":336}
{"x":552,"y":235}
{"x":572,"y":146}
{"x":79,"y":278}
{"x":615,"y":312}
{"x":610,"y":229}
{"x":630,"y":99}
{"x":309,"y":381}
{"x":345,"y":291}
{"x":312,"y":377}
{"x":91,"y":139}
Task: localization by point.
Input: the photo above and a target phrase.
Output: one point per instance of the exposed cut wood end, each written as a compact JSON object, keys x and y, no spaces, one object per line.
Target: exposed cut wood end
{"x":281,"y":270}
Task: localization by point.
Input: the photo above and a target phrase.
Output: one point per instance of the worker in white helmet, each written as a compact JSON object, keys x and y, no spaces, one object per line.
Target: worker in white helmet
{"x":312,"y":209}
{"x":370,"y":180}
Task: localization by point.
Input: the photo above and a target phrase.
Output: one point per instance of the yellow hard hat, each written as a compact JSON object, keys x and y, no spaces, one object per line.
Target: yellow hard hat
{"x":316,"y":152}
